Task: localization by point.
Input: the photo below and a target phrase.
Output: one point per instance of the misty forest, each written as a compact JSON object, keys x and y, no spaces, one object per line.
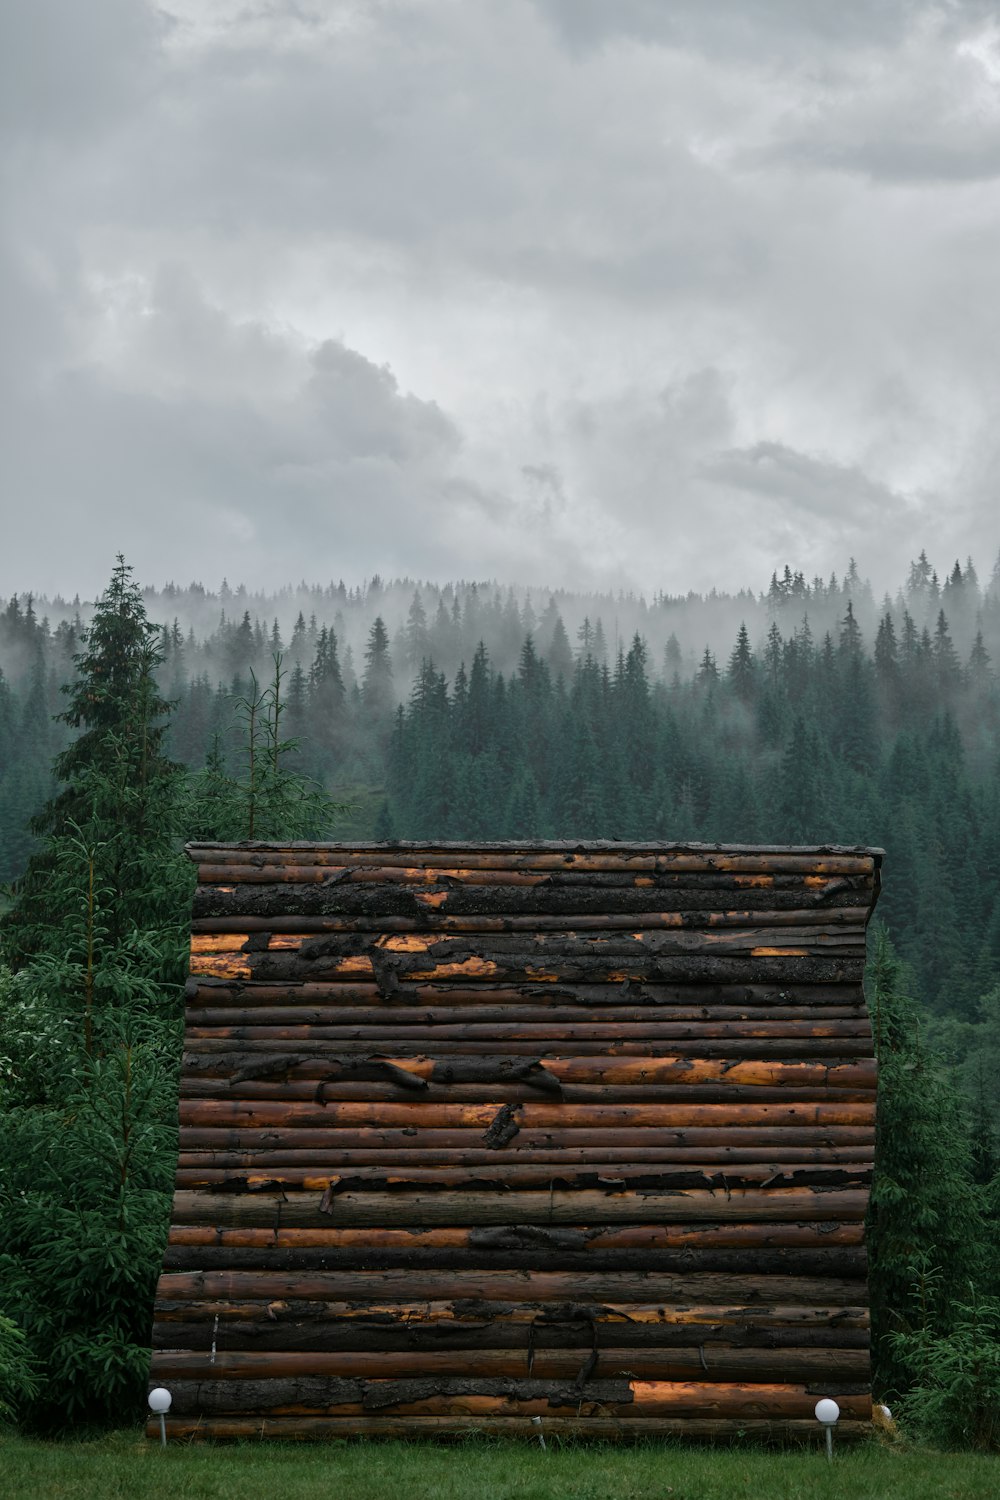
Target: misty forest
{"x":807,"y":712}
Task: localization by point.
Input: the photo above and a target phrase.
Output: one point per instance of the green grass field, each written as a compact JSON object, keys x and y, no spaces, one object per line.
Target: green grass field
{"x":125,"y":1466}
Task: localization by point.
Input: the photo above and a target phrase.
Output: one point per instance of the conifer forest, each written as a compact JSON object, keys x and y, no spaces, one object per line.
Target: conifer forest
{"x":809,"y":711}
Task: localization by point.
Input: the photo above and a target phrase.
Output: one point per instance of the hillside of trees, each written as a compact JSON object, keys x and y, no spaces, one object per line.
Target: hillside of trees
{"x":405,"y":711}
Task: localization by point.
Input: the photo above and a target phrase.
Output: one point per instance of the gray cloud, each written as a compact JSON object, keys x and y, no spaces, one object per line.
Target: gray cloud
{"x":547,"y":289}
{"x":829,"y":491}
{"x":68,"y":69}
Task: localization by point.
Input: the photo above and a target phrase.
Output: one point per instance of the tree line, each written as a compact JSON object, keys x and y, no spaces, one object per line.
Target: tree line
{"x":888,"y":737}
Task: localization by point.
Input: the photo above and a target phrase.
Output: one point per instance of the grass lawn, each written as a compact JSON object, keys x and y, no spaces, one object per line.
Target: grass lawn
{"x":124,"y":1466}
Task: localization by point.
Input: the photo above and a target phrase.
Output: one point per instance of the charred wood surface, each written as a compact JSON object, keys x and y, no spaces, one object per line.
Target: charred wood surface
{"x":263,"y":1203}
{"x":472,"y":1135}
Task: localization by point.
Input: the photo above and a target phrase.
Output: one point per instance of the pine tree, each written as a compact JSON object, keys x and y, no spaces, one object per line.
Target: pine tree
{"x":559,"y":653}
{"x":945,"y":657}
{"x":261,"y":797}
{"x":120,"y":793}
{"x":707,"y":674}
{"x":740,"y":672}
{"x":377,"y":695}
{"x":416,"y":635}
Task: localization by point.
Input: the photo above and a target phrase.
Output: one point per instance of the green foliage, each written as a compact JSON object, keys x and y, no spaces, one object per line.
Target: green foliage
{"x":18,"y":1380}
{"x":90,"y":998}
{"x":955,"y":1401}
{"x":264,"y":798}
{"x":39,"y":1042}
{"x":971,"y":1049}
{"x":89,"y":1032}
{"x":925,"y":1234}
{"x":85,"y":1187}
{"x":109,"y":834}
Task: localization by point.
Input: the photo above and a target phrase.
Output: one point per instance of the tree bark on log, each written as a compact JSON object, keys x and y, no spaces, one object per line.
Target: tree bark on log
{"x":698,"y":1287}
{"x":551,"y":895}
{"x":803,"y":1365}
{"x":265,"y":1208}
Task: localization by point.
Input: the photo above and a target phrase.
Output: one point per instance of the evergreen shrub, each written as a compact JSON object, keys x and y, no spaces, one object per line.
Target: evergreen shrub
{"x":955,"y":1402}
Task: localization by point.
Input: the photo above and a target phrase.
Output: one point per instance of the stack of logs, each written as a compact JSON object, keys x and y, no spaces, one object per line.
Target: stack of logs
{"x":471,"y":1135}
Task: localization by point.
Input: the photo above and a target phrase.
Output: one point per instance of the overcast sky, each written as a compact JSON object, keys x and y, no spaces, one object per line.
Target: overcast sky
{"x":661,"y":293}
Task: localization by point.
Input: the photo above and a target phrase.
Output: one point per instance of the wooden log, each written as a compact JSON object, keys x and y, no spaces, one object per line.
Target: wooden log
{"x":231,"y":933}
{"x":719,"y":1363}
{"x":753,"y":967}
{"x":666,"y":1038}
{"x":519,"y":948}
{"x":307,"y":1042}
{"x":826,"y":1050}
{"x":416,"y":1035}
{"x":839,"y":860}
{"x":358,"y":1060}
{"x":549,"y":1075}
{"x":429,"y":1321}
{"x":537,"y":1115}
{"x":681,"y":1002}
{"x":804,"y":878}
{"x":534,"y":1002}
{"x":341,"y":1043}
{"x":494,"y":871}
{"x":552,"y":897}
{"x":549,"y":896}
{"x":738,"y":1038}
{"x":262,"y":1207}
{"x":715,"y":1159}
{"x":258,"y":1064}
{"x":591,"y":1237}
{"x":458,"y":1140}
{"x":847,"y":1026}
{"x":842,"y":1039}
{"x":758,"y":1040}
{"x":504,"y":1176}
{"x":437,"y":1324}
{"x":771,"y":1032}
{"x":457,"y":1143}
{"x":841,"y":1262}
{"x":300,"y":1327}
{"x":443,"y":1395}
{"x":643,"y":1038}
{"x":537,"y":1286}
{"x":329,"y":850}
{"x":476,"y":1093}
{"x":437,"y":1396}
{"x":459,"y":1428}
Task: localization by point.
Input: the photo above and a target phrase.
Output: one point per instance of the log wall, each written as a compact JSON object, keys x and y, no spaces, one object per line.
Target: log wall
{"x":475,"y":1134}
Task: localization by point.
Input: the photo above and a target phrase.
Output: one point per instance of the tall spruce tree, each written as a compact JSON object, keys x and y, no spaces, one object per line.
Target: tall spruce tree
{"x":119,"y":793}
{"x":89,"y":1034}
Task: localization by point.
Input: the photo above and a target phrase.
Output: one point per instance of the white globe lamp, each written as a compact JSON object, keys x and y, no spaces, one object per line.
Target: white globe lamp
{"x":159,"y":1405}
{"x":828,"y":1414}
